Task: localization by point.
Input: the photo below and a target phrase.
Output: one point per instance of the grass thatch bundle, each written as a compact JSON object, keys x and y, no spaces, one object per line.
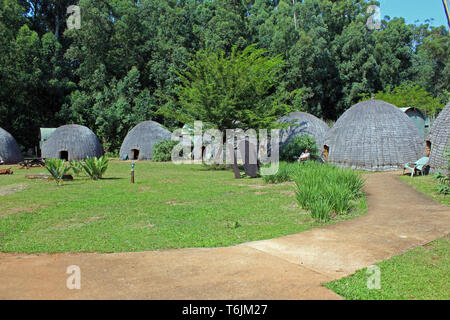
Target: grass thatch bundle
{"x":139,"y":142}
{"x":440,"y":140}
{"x":374,"y":135}
{"x":9,"y":150}
{"x":304,"y":123}
{"x":72,"y":142}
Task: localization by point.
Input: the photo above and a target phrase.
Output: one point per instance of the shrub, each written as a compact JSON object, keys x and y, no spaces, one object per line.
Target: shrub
{"x":57,"y":168}
{"x":76,"y":166}
{"x":294,"y":148}
{"x":162,"y":150}
{"x":323,"y":189}
{"x":95,"y":168}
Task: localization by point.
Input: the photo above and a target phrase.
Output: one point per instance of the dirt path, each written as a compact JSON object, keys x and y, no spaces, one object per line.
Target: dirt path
{"x":293,"y":267}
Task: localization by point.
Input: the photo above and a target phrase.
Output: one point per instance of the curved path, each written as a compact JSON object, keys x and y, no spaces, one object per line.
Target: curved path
{"x":292,"y":267}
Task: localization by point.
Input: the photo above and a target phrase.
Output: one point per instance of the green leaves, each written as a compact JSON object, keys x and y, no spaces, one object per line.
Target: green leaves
{"x":232,"y":91}
{"x":95,"y":168}
{"x":57,"y":168}
{"x":298,"y":144}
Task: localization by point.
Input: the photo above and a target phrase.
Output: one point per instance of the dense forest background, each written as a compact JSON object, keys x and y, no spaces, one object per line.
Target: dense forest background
{"x":122,"y":66}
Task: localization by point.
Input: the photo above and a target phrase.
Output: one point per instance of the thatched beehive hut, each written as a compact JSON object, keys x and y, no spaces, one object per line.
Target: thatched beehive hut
{"x":374,"y":135}
{"x":9,"y":150}
{"x":139,"y":142}
{"x":304,"y":123}
{"x":72,"y":142}
{"x":440,"y":140}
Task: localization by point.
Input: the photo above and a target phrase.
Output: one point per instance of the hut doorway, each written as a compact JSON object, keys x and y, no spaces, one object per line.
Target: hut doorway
{"x":326,"y":151}
{"x":428,"y":148}
{"x":64,"y":155}
{"x":134,"y":154}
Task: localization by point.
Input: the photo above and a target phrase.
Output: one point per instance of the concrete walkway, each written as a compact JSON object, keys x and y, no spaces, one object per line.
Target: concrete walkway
{"x":292,"y":267}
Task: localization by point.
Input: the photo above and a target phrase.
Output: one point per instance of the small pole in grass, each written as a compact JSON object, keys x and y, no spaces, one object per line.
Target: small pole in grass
{"x":132,"y":172}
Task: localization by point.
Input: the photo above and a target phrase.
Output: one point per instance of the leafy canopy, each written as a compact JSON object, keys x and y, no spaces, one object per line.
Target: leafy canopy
{"x":235,"y":91}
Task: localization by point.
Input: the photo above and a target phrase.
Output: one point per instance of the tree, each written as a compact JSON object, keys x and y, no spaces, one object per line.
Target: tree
{"x":236,"y":91}
{"x":409,"y":94}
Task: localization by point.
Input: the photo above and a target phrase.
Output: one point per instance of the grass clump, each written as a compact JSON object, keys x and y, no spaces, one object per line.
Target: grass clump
{"x":285,"y":173}
{"x":325,"y":190}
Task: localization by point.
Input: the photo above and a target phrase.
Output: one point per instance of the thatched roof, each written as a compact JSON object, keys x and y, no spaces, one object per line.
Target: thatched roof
{"x":374,"y":135}
{"x":305,"y":123}
{"x":9,"y":150}
{"x":440,"y":140}
{"x":142,"y":138}
{"x":79,"y":141}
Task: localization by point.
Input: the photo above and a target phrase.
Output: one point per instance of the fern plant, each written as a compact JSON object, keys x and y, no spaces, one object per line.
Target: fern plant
{"x":95,"y":168}
{"x":57,"y":168}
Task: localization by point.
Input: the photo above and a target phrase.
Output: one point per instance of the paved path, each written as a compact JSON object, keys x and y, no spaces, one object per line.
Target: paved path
{"x":291,"y":267}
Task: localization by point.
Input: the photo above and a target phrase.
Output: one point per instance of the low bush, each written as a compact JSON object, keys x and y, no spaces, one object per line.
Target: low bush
{"x":57,"y":168}
{"x":95,"y":168}
{"x":324,"y":189}
{"x":162,"y":150}
{"x":294,"y":148}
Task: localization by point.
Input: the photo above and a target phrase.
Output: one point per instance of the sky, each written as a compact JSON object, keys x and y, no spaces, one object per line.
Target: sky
{"x":413,"y":10}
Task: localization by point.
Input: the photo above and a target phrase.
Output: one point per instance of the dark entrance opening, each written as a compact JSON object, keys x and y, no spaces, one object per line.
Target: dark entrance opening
{"x":64,"y":155}
{"x":326,"y":151}
{"x":428,"y":150}
{"x":134,"y":154}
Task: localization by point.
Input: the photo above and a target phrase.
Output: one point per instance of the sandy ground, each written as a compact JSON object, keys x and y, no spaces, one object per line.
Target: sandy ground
{"x":292,"y":267}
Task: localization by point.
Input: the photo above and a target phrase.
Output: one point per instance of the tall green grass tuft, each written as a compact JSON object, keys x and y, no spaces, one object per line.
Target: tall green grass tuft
{"x":285,"y":173}
{"x":325,"y":190}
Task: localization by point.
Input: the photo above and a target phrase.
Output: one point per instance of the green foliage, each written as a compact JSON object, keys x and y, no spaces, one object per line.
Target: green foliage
{"x":409,"y":94}
{"x":76,"y":166}
{"x":57,"y":168}
{"x":95,"y":168}
{"x":232,"y":91}
{"x":162,"y":150}
{"x":325,"y":189}
{"x":294,"y":148}
{"x":285,"y":173}
{"x":126,"y":64}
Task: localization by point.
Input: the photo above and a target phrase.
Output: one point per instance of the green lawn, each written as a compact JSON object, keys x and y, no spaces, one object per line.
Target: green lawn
{"x":422,"y":274}
{"x":169,"y":206}
{"x":427,"y":185}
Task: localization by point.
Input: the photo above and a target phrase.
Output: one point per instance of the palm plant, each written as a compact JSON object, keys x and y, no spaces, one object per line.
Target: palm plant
{"x":57,"y":168}
{"x":95,"y":168}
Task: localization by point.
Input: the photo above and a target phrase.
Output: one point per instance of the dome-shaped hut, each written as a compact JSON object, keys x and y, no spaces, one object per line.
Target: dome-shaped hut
{"x":9,"y":150}
{"x":440,"y":140}
{"x":303,"y":123}
{"x":374,"y":135}
{"x":72,"y":142}
{"x":139,"y":142}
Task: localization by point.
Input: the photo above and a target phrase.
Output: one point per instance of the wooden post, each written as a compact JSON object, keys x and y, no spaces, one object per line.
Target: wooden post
{"x":132,"y":172}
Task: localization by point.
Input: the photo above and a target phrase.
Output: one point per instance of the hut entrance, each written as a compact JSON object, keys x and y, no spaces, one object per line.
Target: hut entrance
{"x":134,"y":154}
{"x":326,"y":151}
{"x":64,"y":155}
{"x":428,"y":152}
